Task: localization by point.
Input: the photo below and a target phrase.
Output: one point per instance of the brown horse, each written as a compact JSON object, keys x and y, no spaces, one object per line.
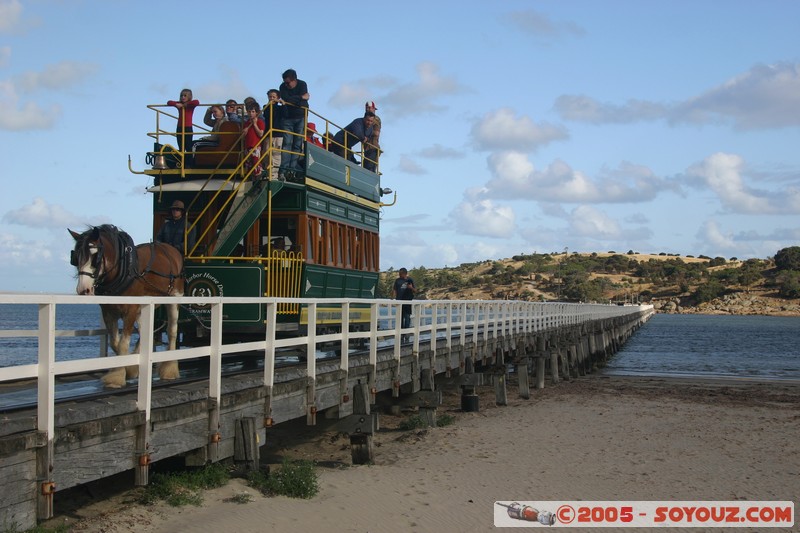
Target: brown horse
{"x":109,"y":264}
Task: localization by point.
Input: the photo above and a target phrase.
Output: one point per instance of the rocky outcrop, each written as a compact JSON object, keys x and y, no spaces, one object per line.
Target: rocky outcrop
{"x":738,"y":303}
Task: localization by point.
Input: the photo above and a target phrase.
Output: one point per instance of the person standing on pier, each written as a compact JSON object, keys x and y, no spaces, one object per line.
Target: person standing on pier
{"x":403,"y":289}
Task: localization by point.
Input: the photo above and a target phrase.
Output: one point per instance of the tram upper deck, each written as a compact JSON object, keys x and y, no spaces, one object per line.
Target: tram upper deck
{"x":229,"y":189}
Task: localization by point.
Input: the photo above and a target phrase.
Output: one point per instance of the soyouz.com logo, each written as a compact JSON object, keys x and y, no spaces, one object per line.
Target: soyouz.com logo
{"x":725,"y":514}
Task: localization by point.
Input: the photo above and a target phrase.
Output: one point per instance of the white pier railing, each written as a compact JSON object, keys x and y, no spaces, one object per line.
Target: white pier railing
{"x":453,"y":320}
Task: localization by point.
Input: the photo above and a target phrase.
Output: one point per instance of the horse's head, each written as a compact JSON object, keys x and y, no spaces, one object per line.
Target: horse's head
{"x":87,"y":257}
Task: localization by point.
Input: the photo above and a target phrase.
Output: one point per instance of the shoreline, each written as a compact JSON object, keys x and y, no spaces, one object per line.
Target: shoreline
{"x":595,"y":438}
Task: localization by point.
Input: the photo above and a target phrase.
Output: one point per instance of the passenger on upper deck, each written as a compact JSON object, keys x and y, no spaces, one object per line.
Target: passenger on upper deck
{"x":215,"y":117}
{"x":356,"y":132}
{"x":174,"y":228}
{"x":311,"y":135}
{"x":253,"y":131}
{"x":232,"y":110}
{"x":185,"y":107}
{"x":250,"y":100}
{"x":295,"y":93}
{"x":373,"y":147}
{"x":273,"y":116}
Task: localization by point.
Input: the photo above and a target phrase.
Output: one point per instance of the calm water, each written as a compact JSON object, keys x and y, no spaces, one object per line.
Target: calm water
{"x":760,"y":347}
{"x":23,"y":350}
{"x":704,"y":345}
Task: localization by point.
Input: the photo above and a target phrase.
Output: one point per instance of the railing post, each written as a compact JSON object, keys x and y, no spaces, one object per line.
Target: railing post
{"x":215,"y":382}
{"x":271,"y":314}
{"x":344,"y":359}
{"x":463,"y":313}
{"x":311,"y":366}
{"x":373,"y":348}
{"x":45,"y":423}
{"x":145,"y":390}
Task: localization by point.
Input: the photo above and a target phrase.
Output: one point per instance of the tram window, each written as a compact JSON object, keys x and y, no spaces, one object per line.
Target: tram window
{"x":310,"y":245}
{"x":319,"y":241}
{"x":339,"y":244}
{"x":358,"y":250}
{"x":348,"y":247}
{"x":368,"y":246}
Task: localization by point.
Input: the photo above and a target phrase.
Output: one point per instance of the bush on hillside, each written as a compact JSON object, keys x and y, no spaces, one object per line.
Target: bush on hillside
{"x":788,"y":258}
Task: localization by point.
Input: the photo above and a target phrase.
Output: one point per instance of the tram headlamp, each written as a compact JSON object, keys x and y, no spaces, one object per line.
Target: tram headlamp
{"x":386,"y":191}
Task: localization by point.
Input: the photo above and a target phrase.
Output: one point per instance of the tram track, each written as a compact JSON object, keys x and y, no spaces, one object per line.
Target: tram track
{"x":19,"y":396}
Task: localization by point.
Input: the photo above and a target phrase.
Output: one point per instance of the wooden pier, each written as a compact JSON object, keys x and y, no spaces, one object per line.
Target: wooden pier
{"x":467,"y":344}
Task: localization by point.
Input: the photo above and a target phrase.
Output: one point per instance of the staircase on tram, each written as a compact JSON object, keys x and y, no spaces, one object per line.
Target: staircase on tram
{"x":243,"y":213}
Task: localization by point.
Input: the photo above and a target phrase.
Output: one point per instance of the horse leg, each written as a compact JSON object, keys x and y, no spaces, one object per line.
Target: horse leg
{"x":169,"y":369}
{"x":110,"y":318}
{"x":133,"y":313}
{"x":115,"y":378}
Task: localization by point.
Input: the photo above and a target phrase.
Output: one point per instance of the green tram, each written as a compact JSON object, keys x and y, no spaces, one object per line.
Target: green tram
{"x":315,"y":235}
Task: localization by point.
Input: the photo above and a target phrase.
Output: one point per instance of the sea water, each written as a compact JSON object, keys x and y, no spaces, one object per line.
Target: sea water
{"x":759,"y":347}
{"x":23,"y":350}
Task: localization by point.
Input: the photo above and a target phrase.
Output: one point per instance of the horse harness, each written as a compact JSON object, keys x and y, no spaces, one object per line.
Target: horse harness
{"x":126,"y":266}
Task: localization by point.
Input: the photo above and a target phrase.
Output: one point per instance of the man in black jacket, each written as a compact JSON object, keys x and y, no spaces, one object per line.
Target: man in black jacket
{"x":174,"y":229}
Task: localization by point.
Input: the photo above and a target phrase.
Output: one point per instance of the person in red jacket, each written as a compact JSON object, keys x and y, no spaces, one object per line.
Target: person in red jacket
{"x":253,"y":131}
{"x":185,"y":107}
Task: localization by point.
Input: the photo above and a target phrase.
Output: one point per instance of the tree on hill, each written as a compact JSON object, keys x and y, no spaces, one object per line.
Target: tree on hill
{"x":788,"y":258}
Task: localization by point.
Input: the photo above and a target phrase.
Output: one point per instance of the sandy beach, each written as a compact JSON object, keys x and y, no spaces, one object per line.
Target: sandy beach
{"x":596,"y":438}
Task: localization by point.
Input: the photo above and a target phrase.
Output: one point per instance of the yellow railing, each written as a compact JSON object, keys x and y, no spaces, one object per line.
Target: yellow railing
{"x":283,"y":273}
{"x":327,"y":133}
{"x":235,"y":179}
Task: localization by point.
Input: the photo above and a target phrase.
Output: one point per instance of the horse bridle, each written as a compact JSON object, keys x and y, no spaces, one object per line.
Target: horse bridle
{"x":125,"y":267}
{"x":100,"y":275}
{"x":98,"y":258}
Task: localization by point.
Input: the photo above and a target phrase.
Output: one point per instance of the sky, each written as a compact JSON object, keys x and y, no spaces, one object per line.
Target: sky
{"x":508,"y":127}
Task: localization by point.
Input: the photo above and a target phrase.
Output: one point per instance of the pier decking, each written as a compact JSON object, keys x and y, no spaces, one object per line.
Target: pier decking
{"x":58,"y":445}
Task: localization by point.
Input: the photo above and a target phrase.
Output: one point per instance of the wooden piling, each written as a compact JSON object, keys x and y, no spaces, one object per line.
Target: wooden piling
{"x":245,"y":444}
{"x":361,"y":449}
{"x":524,"y":383}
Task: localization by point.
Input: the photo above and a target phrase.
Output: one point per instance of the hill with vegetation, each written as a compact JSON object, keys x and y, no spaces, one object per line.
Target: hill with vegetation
{"x":672,"y":283}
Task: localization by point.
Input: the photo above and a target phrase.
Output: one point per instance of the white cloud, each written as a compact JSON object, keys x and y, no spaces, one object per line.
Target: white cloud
{"x":40,"y":214}
{"x":502,"y":130}
{"x":20,"y":114}
{"x":349,"y":95}
{"x":408,"y":249}
{"x":437,"y":151}
{"x":398,"y":99}
{"x":230,"y":86}
{"x":514,"y":177}
{"x":541,"y":26}
{"x":23,"y":253}
{"x":712,"y":237}
{"x":55,"y":77}
{"x":409,"y":166}
{"x":713,"y":240}
{"x":723,"y":174}
{"x":764,"y":97}
{"x":583,"y":108}
{"x":482,"y":217}
{"x":586,"y":221}
{"x":10,"y":15}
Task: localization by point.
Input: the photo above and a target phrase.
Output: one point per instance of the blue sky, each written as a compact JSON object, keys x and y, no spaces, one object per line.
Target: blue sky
{"x":508,"y":127}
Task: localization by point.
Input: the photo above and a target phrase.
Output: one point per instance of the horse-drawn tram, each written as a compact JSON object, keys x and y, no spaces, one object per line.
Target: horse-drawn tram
{"x":256,"y":228}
